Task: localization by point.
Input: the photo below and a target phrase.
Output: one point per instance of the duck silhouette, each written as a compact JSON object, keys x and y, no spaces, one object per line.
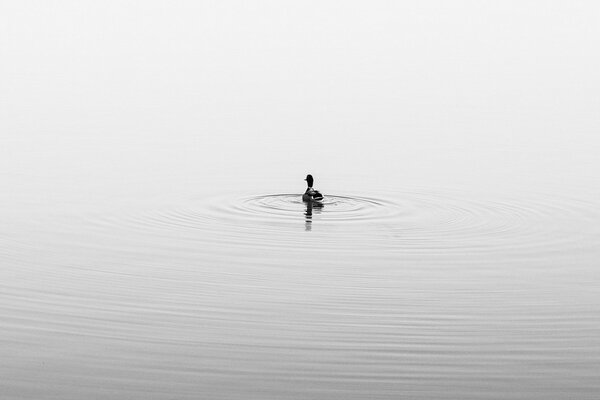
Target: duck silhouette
{"x":311,"y":195}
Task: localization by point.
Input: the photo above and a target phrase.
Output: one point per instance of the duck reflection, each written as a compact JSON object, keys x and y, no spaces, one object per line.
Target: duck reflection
{"x":311,"y":207}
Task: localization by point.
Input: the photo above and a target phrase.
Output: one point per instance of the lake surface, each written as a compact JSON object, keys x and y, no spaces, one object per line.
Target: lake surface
{"x":423,"y":292}
{"x":153,"y":241}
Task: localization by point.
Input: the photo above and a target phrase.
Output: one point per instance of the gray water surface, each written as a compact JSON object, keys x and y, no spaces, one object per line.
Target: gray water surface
{"x":421,"y":293}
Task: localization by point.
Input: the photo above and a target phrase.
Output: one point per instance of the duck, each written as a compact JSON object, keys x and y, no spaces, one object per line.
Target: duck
{"x":311,"y":194}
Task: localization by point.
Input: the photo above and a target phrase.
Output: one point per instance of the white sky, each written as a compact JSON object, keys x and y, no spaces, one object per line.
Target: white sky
{"x":375,"y":84}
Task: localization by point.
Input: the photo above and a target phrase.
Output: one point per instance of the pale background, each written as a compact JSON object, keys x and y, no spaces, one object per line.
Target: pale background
{"x":153,"y":243}
{"x":106,"y":95}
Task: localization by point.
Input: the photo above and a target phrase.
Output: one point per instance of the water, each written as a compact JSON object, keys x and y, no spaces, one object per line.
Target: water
{"x":153,"y":241}
{"x":422,"y":292}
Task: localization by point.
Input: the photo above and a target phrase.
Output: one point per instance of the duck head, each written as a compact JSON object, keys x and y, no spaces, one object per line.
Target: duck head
{"x":309,"y":180}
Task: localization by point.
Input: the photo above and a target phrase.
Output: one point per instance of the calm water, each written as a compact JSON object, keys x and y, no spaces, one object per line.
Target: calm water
{"x":421,"y":292}
{"x":153,"y":242}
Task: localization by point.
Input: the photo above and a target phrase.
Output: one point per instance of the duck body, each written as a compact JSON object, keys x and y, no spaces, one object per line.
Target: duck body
{"x":311,"y":194}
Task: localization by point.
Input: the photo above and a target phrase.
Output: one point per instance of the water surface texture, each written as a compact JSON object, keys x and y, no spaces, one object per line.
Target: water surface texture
{"x":153,"y":240}
{"x":427,"y":292}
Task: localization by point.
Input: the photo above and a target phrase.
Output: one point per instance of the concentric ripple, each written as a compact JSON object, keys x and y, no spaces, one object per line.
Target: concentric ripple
{"x":332,"y":208}
{"x":418,"y":220}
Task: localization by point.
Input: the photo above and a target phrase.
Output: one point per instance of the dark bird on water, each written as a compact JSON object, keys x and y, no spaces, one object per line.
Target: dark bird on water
{"x":311,"y":194}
